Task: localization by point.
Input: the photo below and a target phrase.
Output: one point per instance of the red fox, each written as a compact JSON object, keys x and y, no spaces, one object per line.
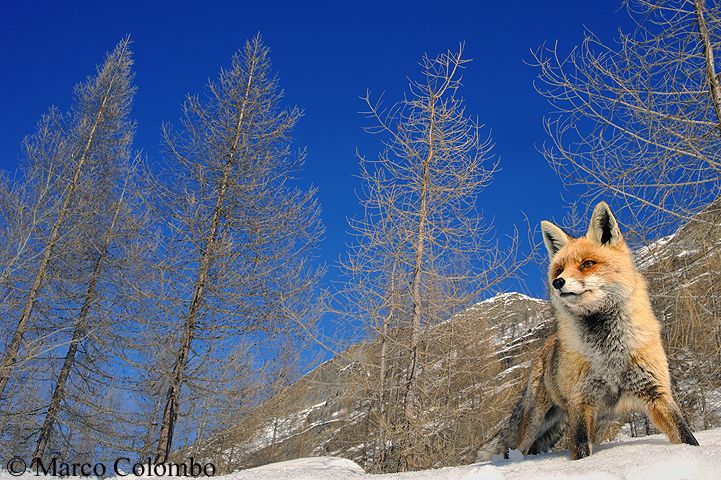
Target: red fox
{"x":606,"y":356}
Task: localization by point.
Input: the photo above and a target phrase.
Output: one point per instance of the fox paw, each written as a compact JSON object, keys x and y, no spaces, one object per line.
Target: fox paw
{"x":580,"y":451}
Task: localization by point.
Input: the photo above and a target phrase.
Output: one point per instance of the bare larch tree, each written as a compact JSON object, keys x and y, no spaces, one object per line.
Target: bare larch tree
{"x":637,"y":121}
{"x":422,"y":252}
{"x":246,"y":232}
{"x":64,"y":157}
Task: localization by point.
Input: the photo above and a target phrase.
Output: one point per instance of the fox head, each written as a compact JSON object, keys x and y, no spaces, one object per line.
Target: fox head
{"x":587,"y":273}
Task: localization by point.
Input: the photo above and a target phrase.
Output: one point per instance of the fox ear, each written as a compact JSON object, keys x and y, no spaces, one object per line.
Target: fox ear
{"x":553,"y":237}
{"x":603,"y":228}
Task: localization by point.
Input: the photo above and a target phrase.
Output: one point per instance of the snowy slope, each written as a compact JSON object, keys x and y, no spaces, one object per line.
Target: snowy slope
{"x":648,"y":458}
{"x":321,"y":415}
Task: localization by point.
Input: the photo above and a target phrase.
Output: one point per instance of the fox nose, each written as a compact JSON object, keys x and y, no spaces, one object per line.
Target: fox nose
{"x":558,"y":283}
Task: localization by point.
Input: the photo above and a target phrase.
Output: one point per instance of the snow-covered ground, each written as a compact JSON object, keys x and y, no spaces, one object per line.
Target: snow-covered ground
{"x":647,"y":458}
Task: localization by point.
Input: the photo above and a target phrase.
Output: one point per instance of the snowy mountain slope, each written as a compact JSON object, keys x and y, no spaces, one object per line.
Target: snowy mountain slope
{"x":648,"y":458}
{"x":317,"y":416}
{"x":684,"y":275}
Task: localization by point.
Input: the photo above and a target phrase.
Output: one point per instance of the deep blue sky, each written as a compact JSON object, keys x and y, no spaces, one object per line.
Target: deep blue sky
{"x":327,"y":54}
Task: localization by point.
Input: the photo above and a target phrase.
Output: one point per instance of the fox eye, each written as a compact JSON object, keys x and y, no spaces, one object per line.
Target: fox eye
{"x":587,"y":264}
{"x":557,"y":272}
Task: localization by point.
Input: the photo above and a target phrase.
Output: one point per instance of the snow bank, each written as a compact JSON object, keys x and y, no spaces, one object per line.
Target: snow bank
{"x":325,"y":468}
{"x":647,"y":458}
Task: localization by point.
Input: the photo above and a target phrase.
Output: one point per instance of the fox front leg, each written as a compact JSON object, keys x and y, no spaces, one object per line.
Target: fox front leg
{"x":660,"y":405}
{"x":666,"y":415}
{"x":582,"y":425}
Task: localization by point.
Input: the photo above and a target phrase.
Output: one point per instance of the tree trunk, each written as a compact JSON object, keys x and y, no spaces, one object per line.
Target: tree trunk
{"x":275,"y":433}
{"x":78,"y":333}
{"x":12,"y":350}
{"x":382,"y":420}
{"x":406,"y":459}
{"x":382,"y":391}
{"x":713,"y":80}
{"x":170,"y":413}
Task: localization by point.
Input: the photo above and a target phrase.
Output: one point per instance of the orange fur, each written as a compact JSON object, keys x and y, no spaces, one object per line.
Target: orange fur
{"x":606,"y":357}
